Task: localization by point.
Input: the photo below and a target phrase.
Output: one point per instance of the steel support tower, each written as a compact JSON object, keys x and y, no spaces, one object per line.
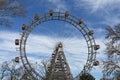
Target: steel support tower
{"x":59,"y":68}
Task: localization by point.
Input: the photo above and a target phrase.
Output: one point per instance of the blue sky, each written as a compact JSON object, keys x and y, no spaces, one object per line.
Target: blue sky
{"x":97,"y":14}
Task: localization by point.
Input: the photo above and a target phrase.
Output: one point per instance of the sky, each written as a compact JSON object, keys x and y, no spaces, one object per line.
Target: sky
{"x":97,"y":15}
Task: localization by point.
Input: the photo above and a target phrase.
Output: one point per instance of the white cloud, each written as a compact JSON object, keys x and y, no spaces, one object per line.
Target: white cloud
{"x":107,"y":9}
{"x":96,"y":5}
{"x":112,"y":20}
{"x":59,"y":5}
{"x":99,"y":30}
{"x":38,"y":45}
{"x":7,"y":40}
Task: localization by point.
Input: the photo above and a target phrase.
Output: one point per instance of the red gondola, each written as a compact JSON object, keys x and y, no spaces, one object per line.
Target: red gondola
{"x":23,"y":27}
{"x":96,"y":63}
{"x":51,"y":12}
{"x":17,"y":42}
{"x":97,"y":47}
{"x":36,"y":17}
{"x":80,"y":21}
{"x":17,"y":59}
{"x":91,"y":32}
{"x":67,"y":14}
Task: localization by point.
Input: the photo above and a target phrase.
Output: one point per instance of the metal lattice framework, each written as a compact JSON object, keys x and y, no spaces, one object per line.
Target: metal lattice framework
{"x":61,"y":16}
{"x":59,"y":68}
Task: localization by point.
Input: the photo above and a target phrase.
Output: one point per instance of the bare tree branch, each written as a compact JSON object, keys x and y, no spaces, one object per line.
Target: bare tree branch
{"x":111,"y":67}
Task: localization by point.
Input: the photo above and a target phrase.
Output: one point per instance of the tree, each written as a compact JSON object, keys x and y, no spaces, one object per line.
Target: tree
{"x":11,"y":71}
{"x":10,"y":9}
{"x":111,"y":67}
{"x":15,"y":71}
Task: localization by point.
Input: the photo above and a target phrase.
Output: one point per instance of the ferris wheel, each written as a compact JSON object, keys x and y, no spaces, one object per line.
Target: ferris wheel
{"x":60,"y":16}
